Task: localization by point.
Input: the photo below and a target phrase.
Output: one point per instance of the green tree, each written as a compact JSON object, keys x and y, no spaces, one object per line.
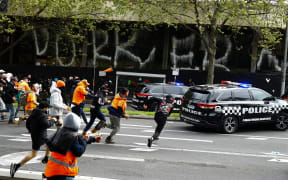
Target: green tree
{"x":71,"y":18}
{"x":265,"y":17}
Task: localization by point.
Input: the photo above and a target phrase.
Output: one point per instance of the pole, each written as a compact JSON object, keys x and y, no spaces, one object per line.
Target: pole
{"x":284,"y":68}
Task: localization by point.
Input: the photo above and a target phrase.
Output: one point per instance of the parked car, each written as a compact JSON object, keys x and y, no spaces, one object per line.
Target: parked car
{"x":144,"y":92}
{"x":229,"y":105}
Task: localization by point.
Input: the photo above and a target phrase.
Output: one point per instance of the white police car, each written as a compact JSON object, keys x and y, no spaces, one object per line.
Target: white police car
{"x":229,"y":105}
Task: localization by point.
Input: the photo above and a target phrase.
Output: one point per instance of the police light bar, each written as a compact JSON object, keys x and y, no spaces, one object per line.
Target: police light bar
{"x":242,"y":85}
{"x":176,"y":83}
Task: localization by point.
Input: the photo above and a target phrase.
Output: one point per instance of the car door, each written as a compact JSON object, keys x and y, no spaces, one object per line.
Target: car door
{"x":242,"y":98}
{"x":264,"y":106}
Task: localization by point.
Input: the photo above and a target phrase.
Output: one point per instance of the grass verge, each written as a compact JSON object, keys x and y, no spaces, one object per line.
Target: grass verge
{"x":141,"y":113}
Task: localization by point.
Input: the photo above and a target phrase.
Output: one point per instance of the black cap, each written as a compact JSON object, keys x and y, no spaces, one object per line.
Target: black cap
{"x":44,"y":104}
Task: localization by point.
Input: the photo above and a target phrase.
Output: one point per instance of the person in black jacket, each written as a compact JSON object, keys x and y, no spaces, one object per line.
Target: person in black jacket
{"x":9,"y":97}
{"x":95,"y":110}
{"x":164,"y":109}
{"x":37,"y":125}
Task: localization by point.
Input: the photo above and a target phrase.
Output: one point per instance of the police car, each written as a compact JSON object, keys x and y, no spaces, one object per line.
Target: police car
{"x":229,"y":105}
{"x":145,"y":92}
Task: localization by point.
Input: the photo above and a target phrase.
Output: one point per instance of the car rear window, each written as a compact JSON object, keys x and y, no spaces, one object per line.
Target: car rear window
{"x":141,"y":89}
{"x":197,"y":96}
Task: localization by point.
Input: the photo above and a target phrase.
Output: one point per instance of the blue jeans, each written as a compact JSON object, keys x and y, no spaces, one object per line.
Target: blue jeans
{"x":10,"y":108}
{"x":78,"y":109}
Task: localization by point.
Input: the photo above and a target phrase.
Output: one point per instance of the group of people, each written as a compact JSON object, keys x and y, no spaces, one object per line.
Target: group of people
{"x":65,"y":145}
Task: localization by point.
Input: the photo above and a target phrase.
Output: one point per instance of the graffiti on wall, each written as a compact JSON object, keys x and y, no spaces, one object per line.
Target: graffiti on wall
{"x":140,"y":51}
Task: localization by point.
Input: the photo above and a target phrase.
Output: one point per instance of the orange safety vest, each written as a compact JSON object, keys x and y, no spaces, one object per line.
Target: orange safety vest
{"x":59,"y":164}
{"x":79,"y":94}
{"x":119,"y":102}
{"x":31,"y":96}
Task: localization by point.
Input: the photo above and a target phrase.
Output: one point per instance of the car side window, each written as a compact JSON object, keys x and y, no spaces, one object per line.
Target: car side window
{"x":241,"y":95}
{"x":225,"y":96}
{"x":173,"y":90}
{"x":259,"y":95}
{"x":157,"y":89}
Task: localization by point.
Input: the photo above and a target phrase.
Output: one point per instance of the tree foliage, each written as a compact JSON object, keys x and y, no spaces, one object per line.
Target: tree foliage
{"x":266,"y":17}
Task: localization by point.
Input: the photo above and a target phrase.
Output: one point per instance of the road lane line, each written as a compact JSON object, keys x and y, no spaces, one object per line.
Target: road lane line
{"x":114,"y":157}
{"x":134,"y":125}
{"x":166,"y":138}
{"x":38,"y":175}
{"x":248,"y":136}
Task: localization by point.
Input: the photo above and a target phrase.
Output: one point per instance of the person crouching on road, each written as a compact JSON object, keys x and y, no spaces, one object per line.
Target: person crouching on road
{"x":56,"y":102}
{"x":78,"y":100}
{"x":66,"y":145}
{"x":37,"y":125}
{"x":95,"y":111}
{"x":116,"y":111}
{"x":163,"y":110}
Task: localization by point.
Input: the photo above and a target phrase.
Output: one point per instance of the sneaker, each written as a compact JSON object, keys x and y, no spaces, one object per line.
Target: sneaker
{"x":11,"y":122}
{"x":149,"y":143}
{"x":109,"y":140}
{"x":93,"y":131}
{"x":45,"y":160}
{"x":13,"y":169}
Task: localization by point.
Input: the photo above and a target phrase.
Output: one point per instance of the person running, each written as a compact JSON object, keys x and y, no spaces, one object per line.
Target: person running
{"x":163,"y":110}
{"x":37,"y":125}
{"x":66,"y":145}
{"x":95,"y":111}
{"x":78,"y":100}
{"x":56,"y":102}
{"x":9,"y":98}
{"x":116,"y":111}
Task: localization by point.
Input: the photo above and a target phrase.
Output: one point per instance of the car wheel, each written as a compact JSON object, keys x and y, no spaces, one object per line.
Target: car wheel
{"x":229,"y":124}
{"x":281,"y":121}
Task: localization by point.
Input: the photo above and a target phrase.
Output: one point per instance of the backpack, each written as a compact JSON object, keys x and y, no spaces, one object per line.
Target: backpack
{"x":23,"y":98}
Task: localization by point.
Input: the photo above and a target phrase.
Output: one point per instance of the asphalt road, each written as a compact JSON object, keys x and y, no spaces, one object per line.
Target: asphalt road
{"x":256,"y":153}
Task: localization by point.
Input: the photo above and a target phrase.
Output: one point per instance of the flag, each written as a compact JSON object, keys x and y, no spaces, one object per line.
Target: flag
{"x":108,"y":70}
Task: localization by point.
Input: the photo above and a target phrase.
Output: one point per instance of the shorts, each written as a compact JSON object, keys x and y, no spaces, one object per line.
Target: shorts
{"x":37,"y":143}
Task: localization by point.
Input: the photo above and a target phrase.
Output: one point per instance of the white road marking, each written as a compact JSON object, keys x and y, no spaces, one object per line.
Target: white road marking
{"x":114,"y":157}
{"x":7,"y":159}
{"x":242,"y":135}
{"x":26,"y":135}
{"x":144,"y":149}
{"x":38,"y":175}
{"x":166,"y":138}
{"x":144,"y":144}
{"x":264,"y":155}
{"x":257,"y":138}
{"x":279,"y":160}
{"x":8,"y":136}
{"x":133,"y":125}
{"x":21,"y":140}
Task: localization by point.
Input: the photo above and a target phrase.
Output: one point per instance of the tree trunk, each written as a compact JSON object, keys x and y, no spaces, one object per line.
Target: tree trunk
{"x":211,"y":54}
{"x":14,"y":43}
{"x":254,"y":55}
{"x":84,"y":52}
{"x":11,"y":53}
{"x":165,"y":49}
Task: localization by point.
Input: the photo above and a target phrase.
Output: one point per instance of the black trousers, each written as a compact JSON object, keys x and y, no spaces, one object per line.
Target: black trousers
{"x":160,"y":121}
